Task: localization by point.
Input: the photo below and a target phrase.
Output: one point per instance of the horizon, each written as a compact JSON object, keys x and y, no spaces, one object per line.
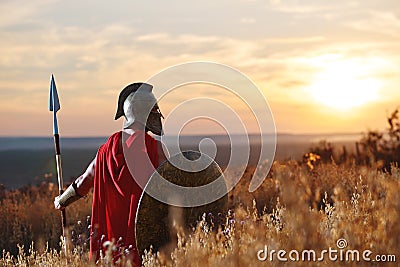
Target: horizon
{"x":13,"y":143}
{"x":196,"y":135}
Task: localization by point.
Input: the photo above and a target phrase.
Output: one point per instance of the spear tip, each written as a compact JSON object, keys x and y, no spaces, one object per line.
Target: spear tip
{"x":54,"y":103}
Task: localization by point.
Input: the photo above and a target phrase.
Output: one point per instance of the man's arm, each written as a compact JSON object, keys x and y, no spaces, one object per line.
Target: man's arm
{"x":85,"y":181}
{"x":79,"y":188}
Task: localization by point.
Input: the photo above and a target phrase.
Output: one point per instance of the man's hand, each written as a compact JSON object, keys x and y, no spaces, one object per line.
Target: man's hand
{"x":80,"y":187}
{"x":69,"y":196}
{"x":57,"y":204}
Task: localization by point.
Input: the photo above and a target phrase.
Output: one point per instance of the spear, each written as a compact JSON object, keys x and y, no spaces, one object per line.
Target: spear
{"x":54,"y":106}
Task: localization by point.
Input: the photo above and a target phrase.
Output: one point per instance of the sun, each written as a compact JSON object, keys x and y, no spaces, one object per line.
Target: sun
{"x":344,"y":84}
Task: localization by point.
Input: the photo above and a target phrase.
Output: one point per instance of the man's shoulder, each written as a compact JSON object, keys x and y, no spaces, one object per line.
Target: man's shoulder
{"x":111,"y":140}
{"x":114,"y":136}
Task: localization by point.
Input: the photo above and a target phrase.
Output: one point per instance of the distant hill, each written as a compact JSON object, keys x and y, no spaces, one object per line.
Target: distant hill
{"x":26,"y":160}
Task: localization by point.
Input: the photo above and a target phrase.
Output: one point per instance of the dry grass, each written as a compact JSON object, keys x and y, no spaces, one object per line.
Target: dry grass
{"x":296,"y":208}
{"x":27,"y":215}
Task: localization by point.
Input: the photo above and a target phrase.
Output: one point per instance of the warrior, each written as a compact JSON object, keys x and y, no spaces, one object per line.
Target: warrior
{"x":116,"y":186}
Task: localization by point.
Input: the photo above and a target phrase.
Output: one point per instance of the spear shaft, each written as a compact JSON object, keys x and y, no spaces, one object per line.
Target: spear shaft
{"x":54,"y":106}
{"x":60,"y":180}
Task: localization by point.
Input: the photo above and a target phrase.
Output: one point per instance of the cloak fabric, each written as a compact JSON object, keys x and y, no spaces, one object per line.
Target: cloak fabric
{"x":116,"y":193}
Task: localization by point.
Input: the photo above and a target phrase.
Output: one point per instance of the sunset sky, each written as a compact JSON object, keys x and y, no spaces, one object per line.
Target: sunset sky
{"x":323,"y":66}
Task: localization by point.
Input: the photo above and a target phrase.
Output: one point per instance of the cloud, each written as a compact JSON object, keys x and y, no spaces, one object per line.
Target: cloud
{"x":379,"y":23}
{"x":102,"y":59}
{"x":275,"y":2}
{"x":247,"y":20}
{"x":301,"y":7}
{"x":14,"y":11}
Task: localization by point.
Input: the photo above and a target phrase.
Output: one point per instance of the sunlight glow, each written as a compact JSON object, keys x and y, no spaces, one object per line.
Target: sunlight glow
{"x":344,"y":84}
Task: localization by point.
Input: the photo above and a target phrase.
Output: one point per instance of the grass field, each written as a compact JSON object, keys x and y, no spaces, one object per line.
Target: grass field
{"x":295,"y":209}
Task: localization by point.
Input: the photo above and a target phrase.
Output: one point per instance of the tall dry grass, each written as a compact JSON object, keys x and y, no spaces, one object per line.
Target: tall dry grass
{"x":296,"y":208}
{"x":27,"y":215}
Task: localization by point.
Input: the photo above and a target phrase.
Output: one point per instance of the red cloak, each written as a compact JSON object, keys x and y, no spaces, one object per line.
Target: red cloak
{"x":116,"y":194}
